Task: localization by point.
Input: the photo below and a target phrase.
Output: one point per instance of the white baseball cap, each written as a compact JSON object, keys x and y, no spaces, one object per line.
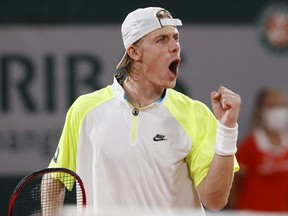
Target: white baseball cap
{"x":139,"y":23}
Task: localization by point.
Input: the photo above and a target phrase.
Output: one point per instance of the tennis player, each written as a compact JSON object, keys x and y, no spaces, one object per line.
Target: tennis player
{"x":137,"y":143}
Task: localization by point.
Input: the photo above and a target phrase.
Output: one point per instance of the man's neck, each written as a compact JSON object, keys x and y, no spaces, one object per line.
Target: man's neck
{"x":140,"y":94}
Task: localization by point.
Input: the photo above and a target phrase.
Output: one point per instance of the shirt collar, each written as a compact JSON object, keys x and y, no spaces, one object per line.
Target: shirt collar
{"x":118,"y":89}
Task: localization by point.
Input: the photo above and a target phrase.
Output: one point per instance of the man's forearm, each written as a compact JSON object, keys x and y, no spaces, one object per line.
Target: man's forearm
{"x":52,"y":196}
{"x":215,"y":187}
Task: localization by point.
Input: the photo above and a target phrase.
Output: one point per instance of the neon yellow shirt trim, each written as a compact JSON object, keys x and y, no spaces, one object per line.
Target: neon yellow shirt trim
{"x":74,"y":118}
{"x":200,"y":125}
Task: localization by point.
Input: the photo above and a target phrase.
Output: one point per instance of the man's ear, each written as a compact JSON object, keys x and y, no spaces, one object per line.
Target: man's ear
{"x":134,"y":53}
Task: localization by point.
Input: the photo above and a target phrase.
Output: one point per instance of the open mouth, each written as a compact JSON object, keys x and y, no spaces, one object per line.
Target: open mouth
{"x":173,"y":67}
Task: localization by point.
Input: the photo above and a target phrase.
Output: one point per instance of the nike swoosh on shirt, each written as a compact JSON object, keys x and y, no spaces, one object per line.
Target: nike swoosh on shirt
{"x":159,"y":137}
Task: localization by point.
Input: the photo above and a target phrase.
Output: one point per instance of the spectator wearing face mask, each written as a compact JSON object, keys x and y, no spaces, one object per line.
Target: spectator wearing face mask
{"x":262,"y":182}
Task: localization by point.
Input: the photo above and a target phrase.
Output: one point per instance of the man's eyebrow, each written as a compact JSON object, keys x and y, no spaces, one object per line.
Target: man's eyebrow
{"x":167,"y":35}
{"x":161,"y":35}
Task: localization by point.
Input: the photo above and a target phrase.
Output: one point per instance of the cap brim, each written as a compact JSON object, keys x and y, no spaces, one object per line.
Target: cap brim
{"x":123,"y":62}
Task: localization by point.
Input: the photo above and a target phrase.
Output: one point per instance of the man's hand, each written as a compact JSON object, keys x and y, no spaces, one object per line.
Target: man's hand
{"x":226,"y":106}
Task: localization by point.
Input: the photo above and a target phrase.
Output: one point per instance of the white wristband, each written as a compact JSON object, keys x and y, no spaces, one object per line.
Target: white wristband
{"x":226,"y":140}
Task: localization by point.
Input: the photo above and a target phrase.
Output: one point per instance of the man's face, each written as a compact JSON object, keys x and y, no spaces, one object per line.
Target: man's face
{"x":160,"y":59}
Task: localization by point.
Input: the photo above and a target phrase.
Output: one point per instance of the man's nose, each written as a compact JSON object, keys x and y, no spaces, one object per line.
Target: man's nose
{"x":175,"y":46}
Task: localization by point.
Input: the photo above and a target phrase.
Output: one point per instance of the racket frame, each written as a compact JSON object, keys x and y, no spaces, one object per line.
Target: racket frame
{"x":41,"y":172}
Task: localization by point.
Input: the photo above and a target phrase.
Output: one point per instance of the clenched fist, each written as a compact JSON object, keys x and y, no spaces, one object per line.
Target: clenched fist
{"x":226,"y":106}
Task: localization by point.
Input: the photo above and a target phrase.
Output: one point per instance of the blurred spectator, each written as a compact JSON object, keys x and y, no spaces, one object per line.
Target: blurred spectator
{"x":262,"y":182}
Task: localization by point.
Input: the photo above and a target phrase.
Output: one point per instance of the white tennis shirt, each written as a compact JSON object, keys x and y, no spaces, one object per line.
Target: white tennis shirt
{"x":154,"y":158}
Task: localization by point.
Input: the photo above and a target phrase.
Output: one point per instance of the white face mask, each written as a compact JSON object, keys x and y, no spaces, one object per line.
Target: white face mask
{"x":276,"y":119}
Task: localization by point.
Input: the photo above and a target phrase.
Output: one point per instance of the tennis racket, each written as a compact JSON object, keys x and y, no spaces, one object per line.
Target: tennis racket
{"x":46,"y":191}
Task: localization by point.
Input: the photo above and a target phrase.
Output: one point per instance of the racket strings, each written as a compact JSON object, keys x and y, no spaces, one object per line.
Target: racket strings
{"x":27,"y":201}
{"x":46,"y":194}
{"x":52,"y":195}
{"x":79,"y":196}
